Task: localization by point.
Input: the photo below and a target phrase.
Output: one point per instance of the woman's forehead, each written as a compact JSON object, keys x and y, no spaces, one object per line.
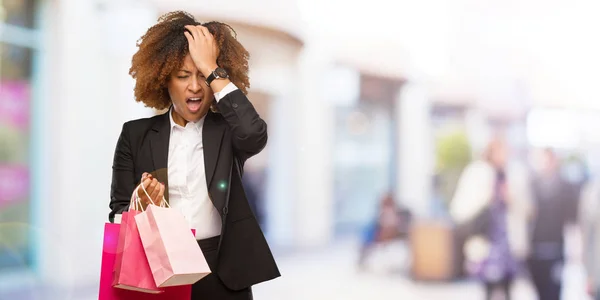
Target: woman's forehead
{"x":188,"y":64}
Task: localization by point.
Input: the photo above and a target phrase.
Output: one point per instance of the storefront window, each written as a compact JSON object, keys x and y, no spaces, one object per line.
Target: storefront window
{"x":15,"y":99}
{"x":362,"y":162}
{"x":17,"y":12}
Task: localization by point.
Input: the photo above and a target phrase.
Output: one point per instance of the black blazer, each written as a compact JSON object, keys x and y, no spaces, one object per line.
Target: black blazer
{"x":237,"y":132}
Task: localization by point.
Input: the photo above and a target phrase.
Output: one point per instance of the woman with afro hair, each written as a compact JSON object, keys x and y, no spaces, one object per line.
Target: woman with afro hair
{"x":193,"y":155}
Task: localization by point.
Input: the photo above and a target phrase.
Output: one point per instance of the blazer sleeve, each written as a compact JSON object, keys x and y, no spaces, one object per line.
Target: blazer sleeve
{"x":123,"y":178}
{"x":249,"y":131}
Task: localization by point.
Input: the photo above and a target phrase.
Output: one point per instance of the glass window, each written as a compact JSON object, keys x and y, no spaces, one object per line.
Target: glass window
{"x":15,"y":62}
{"x":17,"y":12}
{"x":362,"y":163}
{"x":15,"y":99}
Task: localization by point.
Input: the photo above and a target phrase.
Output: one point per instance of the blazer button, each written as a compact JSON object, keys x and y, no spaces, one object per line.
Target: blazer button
{"x":234,"y":105}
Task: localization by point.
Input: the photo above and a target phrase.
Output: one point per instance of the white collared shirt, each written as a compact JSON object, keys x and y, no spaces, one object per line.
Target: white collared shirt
{"x":187,"y":178}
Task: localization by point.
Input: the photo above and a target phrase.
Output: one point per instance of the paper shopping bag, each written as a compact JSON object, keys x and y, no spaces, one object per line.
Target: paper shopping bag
{"x":108,"y":292}
{"x":172,"y":252}
{"x":132,"y":271}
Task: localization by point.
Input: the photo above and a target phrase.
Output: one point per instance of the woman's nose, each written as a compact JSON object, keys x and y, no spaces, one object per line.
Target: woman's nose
{"x":195,"y":86}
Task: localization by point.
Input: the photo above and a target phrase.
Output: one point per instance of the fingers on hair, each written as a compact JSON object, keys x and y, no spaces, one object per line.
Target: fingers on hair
{"x":163,"y":47}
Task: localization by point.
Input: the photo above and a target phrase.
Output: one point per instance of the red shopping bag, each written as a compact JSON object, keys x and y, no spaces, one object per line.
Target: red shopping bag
{"x":131,"y":271}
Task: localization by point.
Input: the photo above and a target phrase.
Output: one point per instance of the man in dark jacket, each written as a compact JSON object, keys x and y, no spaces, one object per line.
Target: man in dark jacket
{"x":556,"y":202}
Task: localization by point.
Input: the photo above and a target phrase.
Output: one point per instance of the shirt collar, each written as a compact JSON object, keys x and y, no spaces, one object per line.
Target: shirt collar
{"x":198,"y":124}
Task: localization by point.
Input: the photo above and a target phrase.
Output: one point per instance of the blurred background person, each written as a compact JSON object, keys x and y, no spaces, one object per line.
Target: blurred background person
{"x":589,"y":220}
{"x":555,"y":207}
{"x":390,"y":223}
{"x":489,"y":210}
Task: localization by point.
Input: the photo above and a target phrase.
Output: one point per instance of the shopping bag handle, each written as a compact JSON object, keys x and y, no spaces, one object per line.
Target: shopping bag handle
{"x":135,"y":202}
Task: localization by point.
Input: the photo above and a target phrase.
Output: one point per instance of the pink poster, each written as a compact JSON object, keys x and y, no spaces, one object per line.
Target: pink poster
{"x":14,"y":103}
{"x":14,"y":184}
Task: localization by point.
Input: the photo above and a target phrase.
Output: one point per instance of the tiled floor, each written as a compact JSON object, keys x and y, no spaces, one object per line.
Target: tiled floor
{"x":331,"y":274}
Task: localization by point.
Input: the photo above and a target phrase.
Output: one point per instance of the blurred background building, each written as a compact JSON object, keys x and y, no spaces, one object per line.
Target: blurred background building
{"x":362,"y":99}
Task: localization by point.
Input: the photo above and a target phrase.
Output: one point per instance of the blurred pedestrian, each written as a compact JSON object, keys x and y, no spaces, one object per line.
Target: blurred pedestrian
{"x":390,"y":223}
{"x":589,"y":220}
{"x":490,"y":205}
{"x":555,"y":207}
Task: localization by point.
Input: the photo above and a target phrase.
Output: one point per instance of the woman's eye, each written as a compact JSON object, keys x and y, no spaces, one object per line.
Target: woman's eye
{"x":182,"y":77}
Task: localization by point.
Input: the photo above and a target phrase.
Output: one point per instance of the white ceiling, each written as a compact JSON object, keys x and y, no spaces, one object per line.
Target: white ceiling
{"x":497,"y":51}
{"x":505,"y":53}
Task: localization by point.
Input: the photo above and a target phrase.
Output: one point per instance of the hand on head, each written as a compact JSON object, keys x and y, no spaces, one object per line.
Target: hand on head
{"x":203,"y":47}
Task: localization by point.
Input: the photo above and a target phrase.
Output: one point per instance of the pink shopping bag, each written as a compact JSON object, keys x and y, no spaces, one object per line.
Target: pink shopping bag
{"x":108,"y":292}
{"x":132,"y":271}
{"x":173,"y":254}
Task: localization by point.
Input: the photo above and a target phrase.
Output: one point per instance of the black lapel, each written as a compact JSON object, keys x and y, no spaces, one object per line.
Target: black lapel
{"x":159,"y":145}
{"x":212,"y":134}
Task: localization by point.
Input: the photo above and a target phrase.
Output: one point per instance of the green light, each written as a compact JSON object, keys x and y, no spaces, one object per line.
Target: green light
{"x":222,"y":185}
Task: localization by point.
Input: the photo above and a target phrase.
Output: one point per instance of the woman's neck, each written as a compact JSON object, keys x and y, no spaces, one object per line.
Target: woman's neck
{"x":179,"y":120}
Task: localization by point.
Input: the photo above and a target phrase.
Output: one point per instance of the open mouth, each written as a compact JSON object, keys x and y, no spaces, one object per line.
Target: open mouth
{"x":194,"y":104}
